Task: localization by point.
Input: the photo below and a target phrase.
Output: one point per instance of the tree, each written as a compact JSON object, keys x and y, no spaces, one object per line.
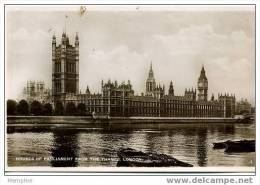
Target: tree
{"x":36,"y":108}
{"x":47,"y":109}
{"x":59,"y":109}
{"x":81,"y":109}
{"x":11,"y":107}
{"x":71,"y":109}
{"x":22,"y":108}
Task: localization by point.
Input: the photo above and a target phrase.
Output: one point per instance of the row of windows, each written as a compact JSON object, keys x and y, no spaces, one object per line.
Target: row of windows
{"x":155,"y":111}
{"x":116,"y":94}
{"x":57,"y":67}
{"x":57,"y":87}
{"x":97,"y":103}
{"x":150,"y":86}
{"x":147,"y":104}
{"x":71,"y":67}
{"x":179,"y":102}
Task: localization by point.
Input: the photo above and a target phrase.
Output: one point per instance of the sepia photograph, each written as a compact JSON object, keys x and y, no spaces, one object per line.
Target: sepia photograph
{"x":130,"y":88}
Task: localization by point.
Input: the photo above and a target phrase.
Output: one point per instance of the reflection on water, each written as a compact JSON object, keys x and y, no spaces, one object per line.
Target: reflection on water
{"x":202,"y":147}
{"x":97,"y":145}
{"x":65,"y":148}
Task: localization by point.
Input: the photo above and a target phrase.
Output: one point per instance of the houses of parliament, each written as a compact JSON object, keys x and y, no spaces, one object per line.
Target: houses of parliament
{"x":120,"y":100}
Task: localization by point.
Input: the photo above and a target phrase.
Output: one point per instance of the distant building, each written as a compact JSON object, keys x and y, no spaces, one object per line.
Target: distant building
{"x":35,"y":90}
{"x":120,"y":100}
{"x":243,"y":107}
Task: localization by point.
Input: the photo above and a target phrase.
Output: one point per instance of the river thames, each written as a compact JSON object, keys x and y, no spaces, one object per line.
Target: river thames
{"x":97,"y":145}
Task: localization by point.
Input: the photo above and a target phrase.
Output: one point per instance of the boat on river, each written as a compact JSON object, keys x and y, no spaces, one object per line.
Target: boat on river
{"x":236,"y":146}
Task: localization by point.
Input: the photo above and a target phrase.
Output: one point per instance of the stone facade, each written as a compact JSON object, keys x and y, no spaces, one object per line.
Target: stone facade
{"x":119,"y":99}
{"x":65,"y":68}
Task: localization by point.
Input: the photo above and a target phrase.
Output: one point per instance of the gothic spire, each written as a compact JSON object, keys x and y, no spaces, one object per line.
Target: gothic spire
{"x":202,"y":73}
{"x":150,"y":82}
{"x":151,"y":71}
{"x":87,"y":90}
{"x":171,"y":90}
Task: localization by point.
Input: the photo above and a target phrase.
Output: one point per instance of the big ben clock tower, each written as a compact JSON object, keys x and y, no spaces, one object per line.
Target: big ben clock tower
{"x":202,"y":86}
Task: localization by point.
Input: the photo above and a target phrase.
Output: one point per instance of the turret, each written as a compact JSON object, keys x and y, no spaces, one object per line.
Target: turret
{"x":53,"y":46}
{"x":87,"y":90}
{"x":63,"y":38}
{"x":54,"y":40}
{"x":171,"y":90}
{"x":54,"y":89}
{"x":77,"y":40}
{"x":212,"y":97}
{"x":102,"y":83}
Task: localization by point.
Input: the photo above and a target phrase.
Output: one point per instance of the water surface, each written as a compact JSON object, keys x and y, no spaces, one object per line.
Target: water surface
{"x":97,"y":145}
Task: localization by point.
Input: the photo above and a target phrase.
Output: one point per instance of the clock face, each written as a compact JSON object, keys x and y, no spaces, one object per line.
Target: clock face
{"x":203,"y":84}
{"x":200,"y":84}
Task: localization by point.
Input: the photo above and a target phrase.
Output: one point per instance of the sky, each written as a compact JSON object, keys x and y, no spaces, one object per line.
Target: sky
{"x":120,"y":42}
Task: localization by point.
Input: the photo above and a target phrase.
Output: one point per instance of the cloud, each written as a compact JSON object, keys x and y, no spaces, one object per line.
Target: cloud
{"x":178,"y":43}
{"x":178,"y":57}
{"x":227,"y":58}
{"x":117,"y":64}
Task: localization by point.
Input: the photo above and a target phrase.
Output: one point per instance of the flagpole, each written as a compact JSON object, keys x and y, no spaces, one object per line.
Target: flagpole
{"x":66,"y":16}
{"x":65,"y":24}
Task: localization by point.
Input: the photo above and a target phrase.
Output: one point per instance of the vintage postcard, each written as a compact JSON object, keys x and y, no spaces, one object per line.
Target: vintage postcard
{"x":130,"y":88}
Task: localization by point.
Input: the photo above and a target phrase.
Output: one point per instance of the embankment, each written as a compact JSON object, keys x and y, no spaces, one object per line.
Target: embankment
{"x":129,"y":120}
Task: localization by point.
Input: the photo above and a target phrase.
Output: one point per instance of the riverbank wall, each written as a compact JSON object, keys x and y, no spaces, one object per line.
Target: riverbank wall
{"x":113,"y":120}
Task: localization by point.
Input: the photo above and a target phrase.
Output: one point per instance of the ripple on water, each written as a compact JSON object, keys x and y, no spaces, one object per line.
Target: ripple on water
{"x":192,"y":144}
